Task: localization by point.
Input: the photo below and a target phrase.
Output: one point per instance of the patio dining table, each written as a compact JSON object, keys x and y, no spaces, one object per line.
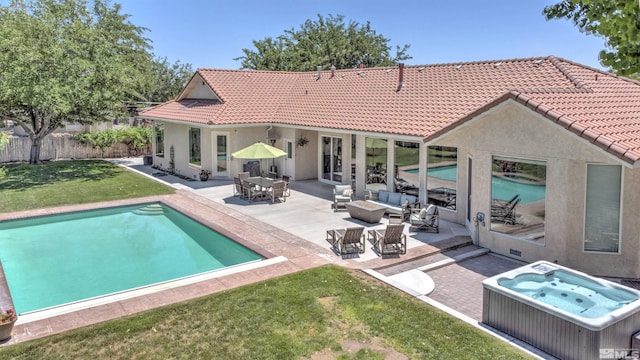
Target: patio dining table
{"x":265,"y":183}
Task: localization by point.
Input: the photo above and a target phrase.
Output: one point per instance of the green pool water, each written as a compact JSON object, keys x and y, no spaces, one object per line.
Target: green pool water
{"x":54,"y":260}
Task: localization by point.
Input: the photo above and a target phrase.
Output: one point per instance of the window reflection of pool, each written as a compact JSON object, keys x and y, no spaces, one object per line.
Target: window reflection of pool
{"x":449,"y":172}
{"x":501,"y":188}
{"x":505,"y":189}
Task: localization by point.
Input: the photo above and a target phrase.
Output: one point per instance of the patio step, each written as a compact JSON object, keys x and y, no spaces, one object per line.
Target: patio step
{"x":455,"y":259}
{"x":151,"y":209}
{"x":431,"y":253}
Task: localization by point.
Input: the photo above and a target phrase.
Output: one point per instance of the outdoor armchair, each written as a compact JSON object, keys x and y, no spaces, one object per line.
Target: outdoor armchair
{"x":426,"y":219}
{"x":347,"y":241}
{"x":390,"y":240}
{"x":341,"y":194}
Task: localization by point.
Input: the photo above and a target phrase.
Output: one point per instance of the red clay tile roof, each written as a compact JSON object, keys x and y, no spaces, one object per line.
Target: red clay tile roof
{"x":596,"y":105}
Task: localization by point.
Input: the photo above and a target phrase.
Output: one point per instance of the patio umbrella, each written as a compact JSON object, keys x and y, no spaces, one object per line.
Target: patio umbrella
{"x":259,"y":151}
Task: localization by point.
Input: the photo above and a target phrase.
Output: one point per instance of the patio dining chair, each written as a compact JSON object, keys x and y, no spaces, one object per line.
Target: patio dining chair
{"x":237,"y":187}
{"x":390,"y":240}
{"x":250,"y":191}
{"x":243,"y":175}
{"x":347,"y":241}
{"x":277,"y":191}
{"x":286,"y":179}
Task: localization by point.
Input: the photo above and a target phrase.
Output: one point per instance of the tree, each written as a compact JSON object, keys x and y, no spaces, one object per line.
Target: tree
{"x":166,"y":80}
{"x":327,"y":41}
{"x":67,"y":61}
{"x":618,"y":21}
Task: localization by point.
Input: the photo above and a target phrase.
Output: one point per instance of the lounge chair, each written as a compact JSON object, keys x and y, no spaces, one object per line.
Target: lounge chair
{"x":347,"y":241}
{"x":341,"y":194}
{"x":426,"y":219}
{"x":505,"y":213}
{"x":277,"y":191}
{"x":390,"y":240}
{"x":497,"y":203}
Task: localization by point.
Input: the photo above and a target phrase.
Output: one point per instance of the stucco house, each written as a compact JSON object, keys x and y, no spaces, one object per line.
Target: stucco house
{"x":538,"y":157}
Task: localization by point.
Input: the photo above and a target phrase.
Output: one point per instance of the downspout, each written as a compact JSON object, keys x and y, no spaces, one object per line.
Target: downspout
{"x":269,"y":129}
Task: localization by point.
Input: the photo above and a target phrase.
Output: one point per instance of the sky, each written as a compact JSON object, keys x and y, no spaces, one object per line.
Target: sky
{"x":211,"y":33}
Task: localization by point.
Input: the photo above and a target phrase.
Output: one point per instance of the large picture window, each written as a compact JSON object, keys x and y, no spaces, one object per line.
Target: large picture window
{"x":442,"y":176}
{"x":407,"y":166}
{"x":376,"y":161}
{"x":194,"y":146}
{"x":518,"y":192}
{"x":602,"y":213}
{"x":159,"y":136}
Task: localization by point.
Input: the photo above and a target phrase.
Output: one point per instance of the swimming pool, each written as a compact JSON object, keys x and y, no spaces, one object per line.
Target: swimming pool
{"x":54,"y":260}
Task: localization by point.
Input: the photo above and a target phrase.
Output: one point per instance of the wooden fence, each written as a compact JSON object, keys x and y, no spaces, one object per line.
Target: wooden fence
{"x":59,"y":147}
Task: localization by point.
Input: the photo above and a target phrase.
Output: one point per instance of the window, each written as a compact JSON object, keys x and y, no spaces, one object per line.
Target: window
{"x":407,"y":166}
{"x":332,"y":158}
{"x":602,"y":213}
{"x":221,"y":165}
{"x":194,"y":146}
{"x":376,"y":161}
{"x":159,"y":132}
{"x":518,"y":192}
{"x":442,"y":176}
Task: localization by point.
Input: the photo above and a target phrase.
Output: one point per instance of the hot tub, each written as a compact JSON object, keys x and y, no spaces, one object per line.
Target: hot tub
{"x":566,"y":313}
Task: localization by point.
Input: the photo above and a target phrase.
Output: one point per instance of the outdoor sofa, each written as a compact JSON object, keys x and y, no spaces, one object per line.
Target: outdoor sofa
{"x":394,"y":202}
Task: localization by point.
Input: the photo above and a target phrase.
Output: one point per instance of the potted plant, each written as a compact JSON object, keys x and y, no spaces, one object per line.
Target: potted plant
{"x":302,"y":141}
{"x":7,"y":320}
{"x":204,"y":175}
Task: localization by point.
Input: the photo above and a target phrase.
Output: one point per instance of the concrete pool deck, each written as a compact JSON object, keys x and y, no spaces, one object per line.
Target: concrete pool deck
{"x":293,"y":235}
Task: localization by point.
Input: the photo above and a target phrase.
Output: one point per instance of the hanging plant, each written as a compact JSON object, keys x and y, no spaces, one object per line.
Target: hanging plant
{"x":302,"y":141}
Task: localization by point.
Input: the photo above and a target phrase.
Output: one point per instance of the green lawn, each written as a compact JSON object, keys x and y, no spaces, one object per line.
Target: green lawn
{"x":332,"y":312}
{"x":323,"y":313}
{"x":56,"y":183}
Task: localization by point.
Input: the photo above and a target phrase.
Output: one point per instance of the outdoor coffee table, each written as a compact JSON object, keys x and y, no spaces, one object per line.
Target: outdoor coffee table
{"x":365,"y":211}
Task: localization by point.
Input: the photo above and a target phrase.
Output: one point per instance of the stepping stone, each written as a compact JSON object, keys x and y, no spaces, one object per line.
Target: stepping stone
{"x":416,"y":280}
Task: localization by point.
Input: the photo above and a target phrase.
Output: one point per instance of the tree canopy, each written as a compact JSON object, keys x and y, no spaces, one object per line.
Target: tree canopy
{"x":166,"y":80}
{"x":67,"y":61}
{"x":618,"y":21}
{"x":324,"y":42}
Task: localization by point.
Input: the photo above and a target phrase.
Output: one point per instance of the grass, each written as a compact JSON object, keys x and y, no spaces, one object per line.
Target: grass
{"x":55,"y":183}
{"x":323,"y":313}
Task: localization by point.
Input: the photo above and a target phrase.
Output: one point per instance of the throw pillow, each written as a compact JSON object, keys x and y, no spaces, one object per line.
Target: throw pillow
{"x":394,"y":199}
{"x":383,"y":195}
{"x":423,"y":213}
{"x":347,"y":193}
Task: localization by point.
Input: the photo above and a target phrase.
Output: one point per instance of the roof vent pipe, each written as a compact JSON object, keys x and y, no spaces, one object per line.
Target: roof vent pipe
{"x":400,"y":76}
{"x":319,"y":72}
{"x":333,"y":69}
